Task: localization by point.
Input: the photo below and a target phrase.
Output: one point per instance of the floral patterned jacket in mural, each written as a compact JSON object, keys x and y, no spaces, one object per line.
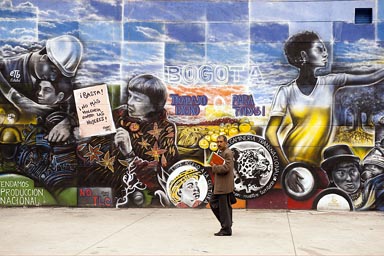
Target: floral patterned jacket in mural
{"x":154,"y":151}
{"x":153,"y":139}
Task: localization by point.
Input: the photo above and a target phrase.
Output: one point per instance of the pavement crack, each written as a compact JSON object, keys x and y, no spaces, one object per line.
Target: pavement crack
{"x":290,"y":230}
{"x":117,"y":231}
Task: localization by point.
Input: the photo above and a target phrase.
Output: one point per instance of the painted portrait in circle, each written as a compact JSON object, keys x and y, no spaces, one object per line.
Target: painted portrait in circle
{"x":188,"y":185}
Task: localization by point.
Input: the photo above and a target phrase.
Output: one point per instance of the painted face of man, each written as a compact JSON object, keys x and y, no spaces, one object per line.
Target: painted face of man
{"x":46,"y":93}
{"x":346,"y":176}
{"x":139,"y":104}
{"x":190,"y":191}
{"x":45,"y":69}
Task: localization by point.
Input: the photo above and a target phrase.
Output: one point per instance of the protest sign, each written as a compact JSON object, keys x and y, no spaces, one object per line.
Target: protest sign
{"x":94,"y":111}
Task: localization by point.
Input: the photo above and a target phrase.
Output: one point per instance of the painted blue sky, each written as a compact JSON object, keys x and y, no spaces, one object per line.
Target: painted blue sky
{"x":131,"y":36}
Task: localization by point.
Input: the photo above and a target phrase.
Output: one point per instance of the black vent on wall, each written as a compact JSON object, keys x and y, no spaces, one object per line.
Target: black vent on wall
{"x":363,"y":15}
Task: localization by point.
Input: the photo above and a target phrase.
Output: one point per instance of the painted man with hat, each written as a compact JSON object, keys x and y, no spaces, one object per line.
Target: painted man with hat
{"x":20,"y":75}
{"x":343,"y":170}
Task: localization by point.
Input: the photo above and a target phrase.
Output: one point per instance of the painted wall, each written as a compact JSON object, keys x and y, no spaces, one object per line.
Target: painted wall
{"x":304,"y":120}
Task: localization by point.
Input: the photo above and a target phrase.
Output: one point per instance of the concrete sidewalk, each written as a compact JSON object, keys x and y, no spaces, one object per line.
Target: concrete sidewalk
{"x":86,"y":231}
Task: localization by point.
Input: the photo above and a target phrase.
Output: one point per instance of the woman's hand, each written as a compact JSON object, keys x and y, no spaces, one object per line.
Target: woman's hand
{"x":123,"y":141}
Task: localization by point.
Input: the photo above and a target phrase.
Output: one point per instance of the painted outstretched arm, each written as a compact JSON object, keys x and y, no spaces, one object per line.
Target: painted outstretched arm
{"x":365,"y":79}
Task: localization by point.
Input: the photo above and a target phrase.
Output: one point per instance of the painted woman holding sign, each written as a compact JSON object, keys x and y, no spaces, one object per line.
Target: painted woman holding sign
{"x":137,"y":156}
{"x":144,"y":131}
{"x":143,"y":119}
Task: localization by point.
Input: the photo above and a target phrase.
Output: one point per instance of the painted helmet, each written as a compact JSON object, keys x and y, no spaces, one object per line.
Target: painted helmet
{"x":65,"y":52}
{"x":10,"y":135}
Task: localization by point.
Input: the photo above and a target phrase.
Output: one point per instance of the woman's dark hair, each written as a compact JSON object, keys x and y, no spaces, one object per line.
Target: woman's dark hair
{"x":299,"y":42}
{"x":151,"y":86}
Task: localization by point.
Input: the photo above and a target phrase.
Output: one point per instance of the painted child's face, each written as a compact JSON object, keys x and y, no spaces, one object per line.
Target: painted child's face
{"x":317,"y":55}
{"x":46,"y":93}
{"x":370,"y":171}
{"x":139,"y":104}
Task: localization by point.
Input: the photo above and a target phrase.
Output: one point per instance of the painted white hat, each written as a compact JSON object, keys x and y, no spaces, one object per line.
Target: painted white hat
{"x":65,"y":52}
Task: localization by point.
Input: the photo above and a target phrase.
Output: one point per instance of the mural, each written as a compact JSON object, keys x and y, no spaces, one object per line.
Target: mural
{"x":120,"y":103}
